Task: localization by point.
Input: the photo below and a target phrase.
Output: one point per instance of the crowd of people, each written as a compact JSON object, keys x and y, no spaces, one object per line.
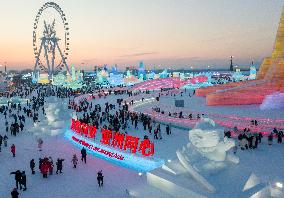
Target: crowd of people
{"x":110,"y":115}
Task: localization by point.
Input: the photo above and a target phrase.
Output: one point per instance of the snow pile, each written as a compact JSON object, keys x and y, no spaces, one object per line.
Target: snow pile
{"x":273,"y":101}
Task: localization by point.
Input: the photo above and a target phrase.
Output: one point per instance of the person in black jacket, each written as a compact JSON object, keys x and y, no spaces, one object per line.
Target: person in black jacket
{"x":59,"y":165}
{"x":14,"y":193}
{"x":100,"y":178}
{"x":23,"y":181}
{"x":32,"y":166}
{"x":84,"y":155}
{"x":18,"y":176}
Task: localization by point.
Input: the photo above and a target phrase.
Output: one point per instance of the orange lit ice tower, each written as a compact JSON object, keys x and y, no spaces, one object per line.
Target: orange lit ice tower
{"x":270,"y":78}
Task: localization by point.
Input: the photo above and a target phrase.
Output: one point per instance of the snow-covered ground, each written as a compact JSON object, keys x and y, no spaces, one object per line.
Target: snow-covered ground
{"x":266,"y":162}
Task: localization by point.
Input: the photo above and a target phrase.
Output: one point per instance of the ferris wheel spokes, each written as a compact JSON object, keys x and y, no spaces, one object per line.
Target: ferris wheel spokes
{"x":51,"y":51}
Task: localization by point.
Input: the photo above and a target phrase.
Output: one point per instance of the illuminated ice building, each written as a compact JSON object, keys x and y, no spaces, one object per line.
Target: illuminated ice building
{"x":141,"y":71}
{"x":270,"y":79}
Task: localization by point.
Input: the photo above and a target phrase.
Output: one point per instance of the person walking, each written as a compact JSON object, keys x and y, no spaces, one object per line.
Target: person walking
{"x":270,"y":139}
{"x":50,"y":161}
{"x":84,"y":155}
{"x":74,"y":161}
{"x":39,"y":144}
{"x":100,"y":178}
{"x":5,"y":139}
{"x":23,"y":181}
{"x":168,"y":130}
{"x":13,"y":150}
{"x":279,"y":137}
{"x":1,"y":141}
{"x":44,"y":168}
{"x":32,"y":166}
{"x":59,"y":165}
{"x":18,"y":176}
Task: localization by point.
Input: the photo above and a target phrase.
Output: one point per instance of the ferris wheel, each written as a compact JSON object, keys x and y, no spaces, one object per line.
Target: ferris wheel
{"x":50,"y":40}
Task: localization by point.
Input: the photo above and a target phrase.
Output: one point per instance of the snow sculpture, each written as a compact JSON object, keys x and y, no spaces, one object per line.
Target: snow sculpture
{"x":206,"y":152}
{"x":56,"y":116}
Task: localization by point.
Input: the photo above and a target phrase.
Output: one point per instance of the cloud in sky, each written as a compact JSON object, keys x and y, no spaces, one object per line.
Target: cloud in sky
{"x":138,"y":54}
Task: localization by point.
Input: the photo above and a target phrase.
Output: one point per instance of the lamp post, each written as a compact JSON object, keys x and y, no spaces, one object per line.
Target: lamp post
{"x":231,"y":65}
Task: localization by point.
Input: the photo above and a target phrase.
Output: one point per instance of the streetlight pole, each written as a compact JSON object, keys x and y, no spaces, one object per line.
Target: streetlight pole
{"x":231,"y":65}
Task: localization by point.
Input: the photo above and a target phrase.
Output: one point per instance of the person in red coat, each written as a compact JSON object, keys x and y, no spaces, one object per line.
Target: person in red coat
{"x":44,"y":169}
{"x":13,"y":150}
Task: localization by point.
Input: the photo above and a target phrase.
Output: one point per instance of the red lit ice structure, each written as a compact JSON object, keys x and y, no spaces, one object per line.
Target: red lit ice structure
{"x":270,"y":79}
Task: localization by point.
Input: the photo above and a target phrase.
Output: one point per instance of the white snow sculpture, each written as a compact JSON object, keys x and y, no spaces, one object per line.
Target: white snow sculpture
{"x":56,"y":118}
{"x":206,"y":152}
{"x":206,"y":140}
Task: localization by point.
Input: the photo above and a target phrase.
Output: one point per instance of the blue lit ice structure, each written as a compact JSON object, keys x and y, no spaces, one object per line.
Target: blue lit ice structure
{"x":73,"y":85}
{"x":35,"y":77}
{"x":115,"y":79}
{"x":151,"y":75}
{"x":197,"y":85}
{"x":238,"y":76}
{"x":102,"y":77}
{"x":200,"y":84}
{"x":75,"y":81}
{"x":252,"y":73}
{"x":164,"y":74}
{"x":131,"y":161}
{"x":141,"y":71}
{"x":114,"y":70}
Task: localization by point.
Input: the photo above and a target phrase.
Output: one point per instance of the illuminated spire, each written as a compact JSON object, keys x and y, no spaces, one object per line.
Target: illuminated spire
{"x":279,"y":41}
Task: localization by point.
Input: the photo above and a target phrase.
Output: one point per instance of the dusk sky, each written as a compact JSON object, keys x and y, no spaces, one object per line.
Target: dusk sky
{"x":170,"y":33}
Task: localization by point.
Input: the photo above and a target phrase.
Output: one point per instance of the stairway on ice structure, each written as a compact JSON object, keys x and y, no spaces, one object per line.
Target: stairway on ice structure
{"x":173,"y":179}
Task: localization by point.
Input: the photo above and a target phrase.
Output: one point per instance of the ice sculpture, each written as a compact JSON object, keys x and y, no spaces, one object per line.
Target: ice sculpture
{"x":130,"y":79}
{"x":273,"y":101}
{"x":114,"y":70}
{"x":206,"y":152}
{"x":59,"y":79}
{"x":115,"y":79}
{"x":35,"y":76}
{"x":238,"y":76}
{"x":164,"y":74}
{"x":141,"y":71}
{"x":102,"y":76}
{"x":151,"y":75}
{"x":252,"y":73}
